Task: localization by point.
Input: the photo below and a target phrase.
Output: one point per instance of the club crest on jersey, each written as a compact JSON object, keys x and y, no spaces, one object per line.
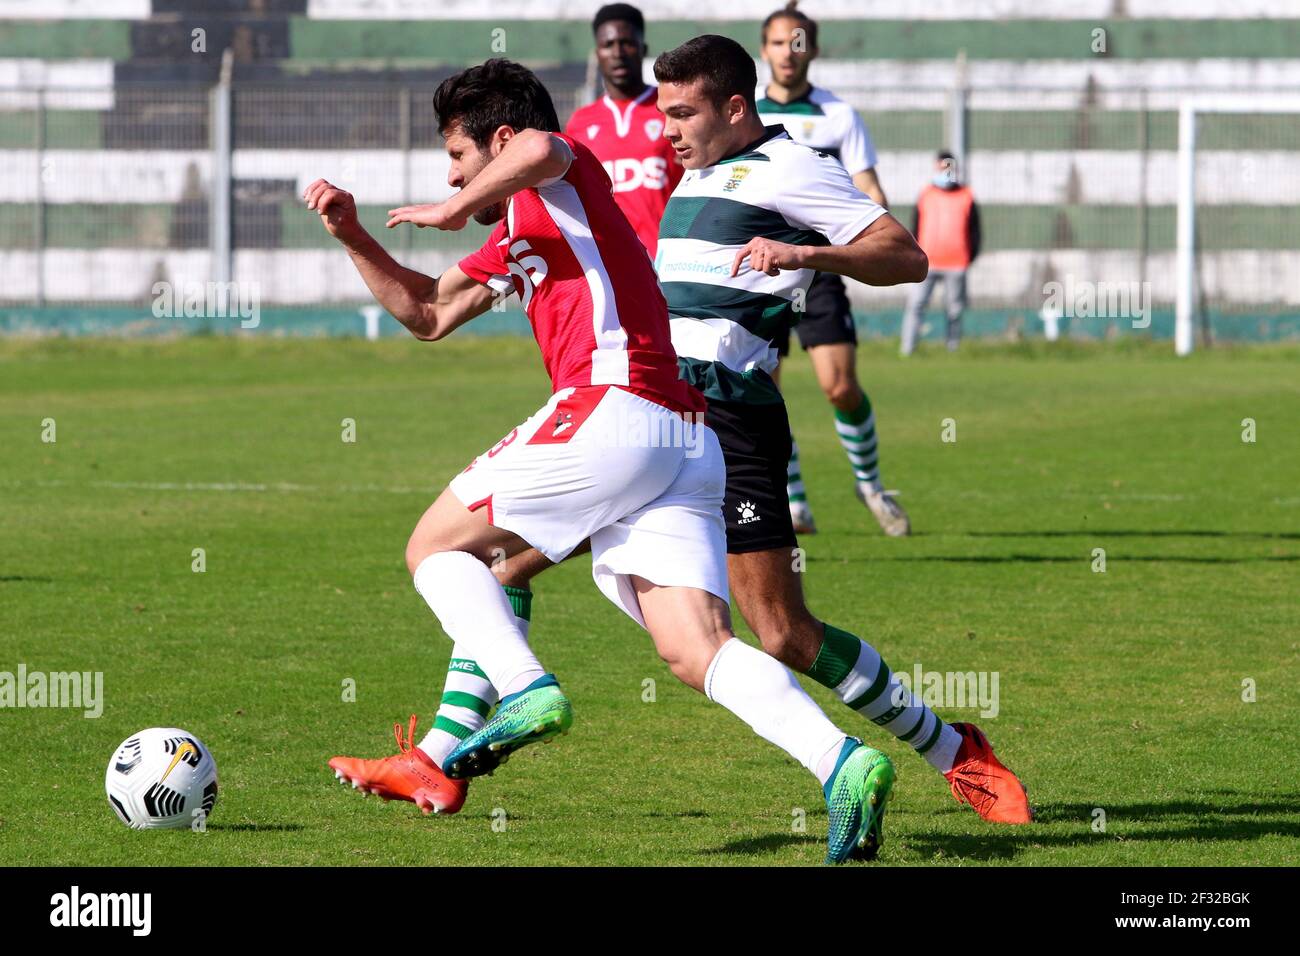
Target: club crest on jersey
{"x":808,"y":127}
{"x":738,"y":173}
{"x":592,"y":130}
{"x":653,"y":128}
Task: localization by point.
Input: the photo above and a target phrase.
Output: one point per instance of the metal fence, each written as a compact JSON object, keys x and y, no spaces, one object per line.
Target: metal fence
{"x":108,"y":192}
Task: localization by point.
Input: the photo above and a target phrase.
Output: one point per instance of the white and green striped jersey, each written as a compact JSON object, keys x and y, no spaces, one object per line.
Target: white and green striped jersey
{"x":722,"y":326}
{"x":822,"y":120}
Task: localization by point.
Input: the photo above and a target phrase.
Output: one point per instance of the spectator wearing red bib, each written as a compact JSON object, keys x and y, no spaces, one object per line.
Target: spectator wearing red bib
{"x":946,"y":224}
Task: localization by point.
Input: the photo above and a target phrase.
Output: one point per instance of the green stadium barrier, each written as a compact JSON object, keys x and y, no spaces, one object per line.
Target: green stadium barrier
{"x":138,"y":321}
{"x":569,"y":41}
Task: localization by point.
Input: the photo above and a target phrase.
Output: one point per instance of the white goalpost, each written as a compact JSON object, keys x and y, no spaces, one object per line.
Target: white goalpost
{"x":1185,"y":261}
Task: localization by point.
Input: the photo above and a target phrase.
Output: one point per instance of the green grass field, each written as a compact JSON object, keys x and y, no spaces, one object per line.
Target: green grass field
{"x":1120,"y":691}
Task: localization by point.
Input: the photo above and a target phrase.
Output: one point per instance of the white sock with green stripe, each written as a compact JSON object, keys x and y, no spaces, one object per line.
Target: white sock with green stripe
{"x":859,"y":676}
{"x":467,"y":699}
{"x":794,"y":488}
{"x":857,"y":432}
{"x":468,"y":696}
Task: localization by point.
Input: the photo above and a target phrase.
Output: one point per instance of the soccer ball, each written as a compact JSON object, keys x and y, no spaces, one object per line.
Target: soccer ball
{"x":161,"y":778}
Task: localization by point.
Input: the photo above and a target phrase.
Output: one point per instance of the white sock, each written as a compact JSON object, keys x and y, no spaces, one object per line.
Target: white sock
{"x":764,"y":694}
{"x":475,"y":613}
{"x":944,"y":752}
{"x":826,"y":765}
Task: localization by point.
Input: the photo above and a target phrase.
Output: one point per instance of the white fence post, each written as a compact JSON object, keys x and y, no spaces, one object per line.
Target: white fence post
{"x":1185,"y":266}
{"x":220,"y":233}
{"x":957,"y":118}
{"x":39,"y":237}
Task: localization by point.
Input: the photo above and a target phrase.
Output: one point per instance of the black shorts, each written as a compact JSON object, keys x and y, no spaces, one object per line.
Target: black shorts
{"x":827,"y":317}
{"x":755,"y":442}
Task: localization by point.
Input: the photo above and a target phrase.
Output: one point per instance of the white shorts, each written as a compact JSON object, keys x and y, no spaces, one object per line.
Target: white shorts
{"x":642,"y":482}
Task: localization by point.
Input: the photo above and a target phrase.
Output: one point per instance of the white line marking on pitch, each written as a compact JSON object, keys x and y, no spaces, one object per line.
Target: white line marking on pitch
{"x":287,"y":487}
{"x":279,"y":486}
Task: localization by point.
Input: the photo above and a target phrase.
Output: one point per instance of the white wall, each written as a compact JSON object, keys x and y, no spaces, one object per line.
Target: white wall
{"x":821,"y":9}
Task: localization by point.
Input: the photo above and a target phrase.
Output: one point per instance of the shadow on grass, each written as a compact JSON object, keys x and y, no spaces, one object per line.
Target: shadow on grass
{"x":761,"y":845}
{"x":1055,"y":559}
{"x":1223,"y":815}
{"x":257,"y":827}
{"x":1163,"y":533}
{"x":1217,"y":803}
{"x":998,"y":847}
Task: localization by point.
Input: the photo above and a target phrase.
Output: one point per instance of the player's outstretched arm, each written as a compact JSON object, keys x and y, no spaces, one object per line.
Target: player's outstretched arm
{"x":528,"y":159}
{"x":430,"y":308}
{"x":882,"y":254}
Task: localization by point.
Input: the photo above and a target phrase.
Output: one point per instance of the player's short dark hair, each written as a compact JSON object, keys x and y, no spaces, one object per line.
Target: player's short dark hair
{"x":494,"y":94}
{"x":619,"y":11}
{"x":721,"y":63}
{"x":944,"y":154}
{"x":791,"y":11}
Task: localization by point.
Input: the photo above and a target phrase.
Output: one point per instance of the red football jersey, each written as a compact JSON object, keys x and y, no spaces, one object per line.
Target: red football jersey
{"x":588,"y":288}
{"x":627,"y":137}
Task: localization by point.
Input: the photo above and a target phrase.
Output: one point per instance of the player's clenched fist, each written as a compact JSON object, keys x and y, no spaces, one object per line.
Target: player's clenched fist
{"x":768,"y":255}
{"x":337,"y":208}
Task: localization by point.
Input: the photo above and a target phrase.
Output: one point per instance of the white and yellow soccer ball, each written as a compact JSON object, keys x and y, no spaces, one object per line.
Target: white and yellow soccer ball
{"x":162,"y":778}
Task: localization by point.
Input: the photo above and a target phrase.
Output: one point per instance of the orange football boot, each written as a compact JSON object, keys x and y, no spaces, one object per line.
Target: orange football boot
{"x":406,"y":775}
{"x":977,"y":777}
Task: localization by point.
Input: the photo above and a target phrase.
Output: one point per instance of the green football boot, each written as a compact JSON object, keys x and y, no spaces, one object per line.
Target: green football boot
{"x":856,"y":794}
{"x":537,"y":712}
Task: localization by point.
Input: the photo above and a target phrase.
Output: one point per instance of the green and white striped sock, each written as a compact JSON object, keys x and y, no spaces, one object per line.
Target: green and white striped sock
{"x":859,"y":676}
{"x":468,"y":696}
{"x":857,"y":431}
{"x":793,"y":479}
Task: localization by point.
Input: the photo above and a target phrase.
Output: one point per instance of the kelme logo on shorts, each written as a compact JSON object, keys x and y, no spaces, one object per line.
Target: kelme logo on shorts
{"x":747,"y":513}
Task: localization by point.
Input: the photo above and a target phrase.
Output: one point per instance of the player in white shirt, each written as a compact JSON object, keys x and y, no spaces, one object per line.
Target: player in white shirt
{"x":818,"y":118}
{"x":754,"y":218}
